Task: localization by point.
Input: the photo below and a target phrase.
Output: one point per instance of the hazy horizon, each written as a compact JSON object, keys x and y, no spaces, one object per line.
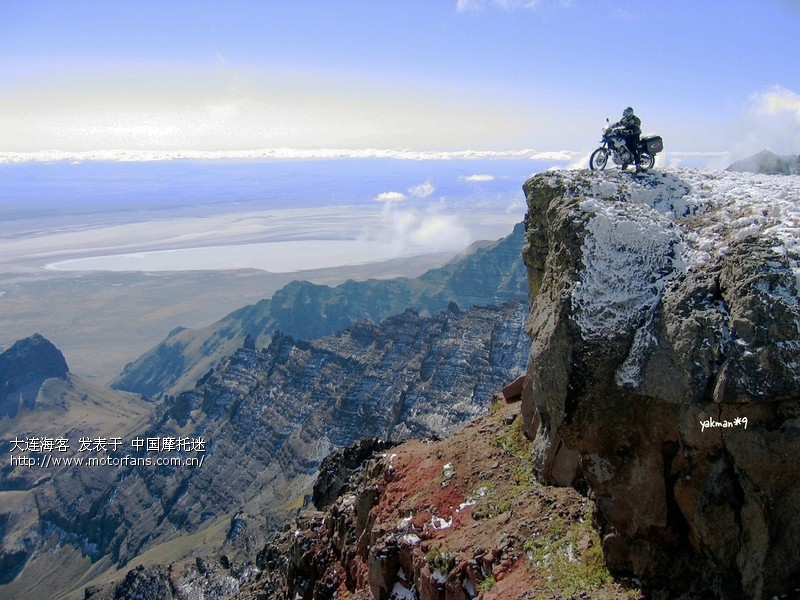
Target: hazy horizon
{"x":457,"y":75}
{"x":273,"y":215}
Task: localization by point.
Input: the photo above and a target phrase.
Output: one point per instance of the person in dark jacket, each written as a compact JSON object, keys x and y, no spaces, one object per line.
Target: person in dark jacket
{"x":631,"y":128}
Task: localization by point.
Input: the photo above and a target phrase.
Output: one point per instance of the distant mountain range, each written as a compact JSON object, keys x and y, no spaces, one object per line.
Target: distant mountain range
{"x":488,"y":274}
{"x":768,"y":163}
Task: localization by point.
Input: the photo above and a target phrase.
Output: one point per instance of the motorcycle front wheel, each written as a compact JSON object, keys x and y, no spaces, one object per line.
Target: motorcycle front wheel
{"x":598,"y":159}
{"x":646,"y":161}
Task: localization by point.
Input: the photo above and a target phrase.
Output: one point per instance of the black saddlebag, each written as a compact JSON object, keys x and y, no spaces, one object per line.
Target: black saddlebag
{"x":654,"y":144}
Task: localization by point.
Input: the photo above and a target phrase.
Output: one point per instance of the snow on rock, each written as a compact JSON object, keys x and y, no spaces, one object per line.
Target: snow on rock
{"x":401,"y":592}
{"x":613,"y":290}
{"x":673,"y":222}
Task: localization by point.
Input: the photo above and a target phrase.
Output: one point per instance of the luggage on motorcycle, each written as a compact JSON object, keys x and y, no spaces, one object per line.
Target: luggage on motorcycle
{"x":654,"y":144}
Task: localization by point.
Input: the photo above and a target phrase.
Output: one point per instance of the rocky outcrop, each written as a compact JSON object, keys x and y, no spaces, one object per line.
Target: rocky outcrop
{"x":23,"y":369}
{"x":199,"y":578}
{"x":664,"y":370}
{"x":455,"y":519}
{"x":337,"y":469}
{"x":489,"y":274}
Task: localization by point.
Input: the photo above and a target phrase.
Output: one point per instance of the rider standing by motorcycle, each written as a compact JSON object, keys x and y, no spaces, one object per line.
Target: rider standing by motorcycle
{"x":630,"y":126}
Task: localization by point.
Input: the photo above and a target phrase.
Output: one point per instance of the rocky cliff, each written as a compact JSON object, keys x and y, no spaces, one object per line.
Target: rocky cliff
{"x":489,"y":274}
{"x":267,"y":418}
{"x":664,"y":370}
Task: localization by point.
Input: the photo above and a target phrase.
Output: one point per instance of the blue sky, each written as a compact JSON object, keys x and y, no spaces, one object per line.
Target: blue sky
{"x":419,"y":74}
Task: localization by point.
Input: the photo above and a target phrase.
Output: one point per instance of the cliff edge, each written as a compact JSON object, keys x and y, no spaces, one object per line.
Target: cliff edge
{"x":664,"y":370}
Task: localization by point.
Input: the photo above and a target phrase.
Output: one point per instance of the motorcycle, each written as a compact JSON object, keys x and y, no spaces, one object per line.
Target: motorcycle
{"x":614,"y":146}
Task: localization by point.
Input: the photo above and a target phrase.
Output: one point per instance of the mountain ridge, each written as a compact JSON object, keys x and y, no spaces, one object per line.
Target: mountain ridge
{"x":768,"y":163}
{"x":267,"y":418}
{"x":489,"y":274}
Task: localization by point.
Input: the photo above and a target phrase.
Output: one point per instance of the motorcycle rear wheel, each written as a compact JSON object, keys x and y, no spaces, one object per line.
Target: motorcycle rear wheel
{"x":646,"y":161}
{"x":598,"y":160}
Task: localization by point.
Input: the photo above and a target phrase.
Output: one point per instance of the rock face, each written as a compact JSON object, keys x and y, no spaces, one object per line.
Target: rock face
{"x":23,"y":369}
{"x":269,"y":416}
{"x":664,"y":371}
{"x":488,"y":275}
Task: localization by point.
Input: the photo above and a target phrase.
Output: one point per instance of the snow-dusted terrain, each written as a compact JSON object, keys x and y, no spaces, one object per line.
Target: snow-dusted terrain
{"x":672,"y":222}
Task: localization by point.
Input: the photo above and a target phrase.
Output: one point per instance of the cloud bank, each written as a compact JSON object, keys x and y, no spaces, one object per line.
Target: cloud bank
{"x":778,"y":102}
{"x":477,"y":178}
{"x":279,"y":153}
{"x":389,"y":197}
{"x":475,"y":5}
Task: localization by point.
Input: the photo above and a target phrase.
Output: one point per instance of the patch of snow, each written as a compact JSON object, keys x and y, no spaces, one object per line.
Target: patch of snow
{"x":448,"y":471}
{"x":472,"y":500}
{"x":440,"y":523}
{"x":401,"y":592}
{"x":439,"y":577}
{"x":631,"y":372}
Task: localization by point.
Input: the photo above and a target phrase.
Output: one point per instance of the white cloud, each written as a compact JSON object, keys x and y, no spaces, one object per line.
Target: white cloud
{"x":565,"y":155}
{"x":771,"y":122}
{"x":277,"y":153}
{"x":478,"y":178}
{"x":414,"y":232}
{"x":423,"y":190}
{"x":475,"y":5}
{"x":389,"y":197}
{"x":440,"y":232}
{"x":778,"y":102}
